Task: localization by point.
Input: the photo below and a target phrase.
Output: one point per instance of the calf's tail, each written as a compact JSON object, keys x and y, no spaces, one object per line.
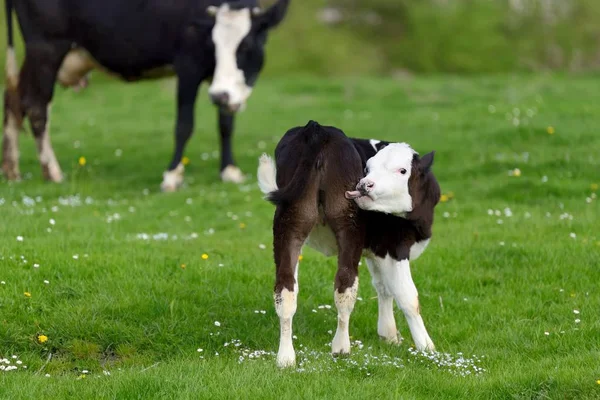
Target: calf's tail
{"x":314,"y":139}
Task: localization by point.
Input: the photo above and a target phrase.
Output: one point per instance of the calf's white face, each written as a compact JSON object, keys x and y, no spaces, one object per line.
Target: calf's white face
{"x":229,"y":88}
{"x":385,"y":186}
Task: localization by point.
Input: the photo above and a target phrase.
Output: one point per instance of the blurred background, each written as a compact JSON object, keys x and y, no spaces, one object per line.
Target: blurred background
{"x":397,"y":37}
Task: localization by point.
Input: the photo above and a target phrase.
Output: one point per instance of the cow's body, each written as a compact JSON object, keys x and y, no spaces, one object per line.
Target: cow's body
{"x":315,"y":165}
{"x":134,"y":40}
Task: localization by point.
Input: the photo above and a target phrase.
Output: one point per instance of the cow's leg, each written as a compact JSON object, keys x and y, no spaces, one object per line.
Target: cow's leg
{"x":346,"y":282}
{"x":291,"y":227}
{"x":187,"y":91}
{"x":229,"y":171}
{"x":400,"y":284}
{"x":42,"y":61}
{"x":12,"y":118}
{"x":386,"y":323}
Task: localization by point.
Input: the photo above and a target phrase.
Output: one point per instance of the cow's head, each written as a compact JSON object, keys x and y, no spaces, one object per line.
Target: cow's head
{"x":239,"y":36}
{"x":392,"y":180}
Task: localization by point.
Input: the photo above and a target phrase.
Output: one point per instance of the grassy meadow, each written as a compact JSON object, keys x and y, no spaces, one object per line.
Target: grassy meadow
{"x":110,"y":289}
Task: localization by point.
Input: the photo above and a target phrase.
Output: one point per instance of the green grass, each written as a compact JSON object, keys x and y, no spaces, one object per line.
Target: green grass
{"x":127,"y":306}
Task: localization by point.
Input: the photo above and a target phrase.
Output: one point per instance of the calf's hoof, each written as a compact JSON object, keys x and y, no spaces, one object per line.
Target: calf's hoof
{"x":286,"y":358}
{"x":173,"y":179}
{"x":340,"y":346}
{"x":396,"y":339}
{"x":231,"y":173}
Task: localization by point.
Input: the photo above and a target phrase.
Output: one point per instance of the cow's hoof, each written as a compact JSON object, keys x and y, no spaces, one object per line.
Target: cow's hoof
{"x":52,"y":173}
{"x":231,"y":173}
{"x":173,"y":179}
{"x":11,"y":173}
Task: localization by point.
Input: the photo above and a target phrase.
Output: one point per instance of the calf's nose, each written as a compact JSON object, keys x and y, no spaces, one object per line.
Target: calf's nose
{"x":365,"y":186}
{"x":220,"y":98}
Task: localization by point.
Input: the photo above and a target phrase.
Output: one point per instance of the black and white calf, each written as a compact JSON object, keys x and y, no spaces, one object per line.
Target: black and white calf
{"x":386,"y":217}
{"x":135,"y":40}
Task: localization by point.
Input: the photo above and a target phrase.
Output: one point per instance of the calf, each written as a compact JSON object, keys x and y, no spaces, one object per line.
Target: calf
{"x":135,"y":39}
{"x":386,"y":217}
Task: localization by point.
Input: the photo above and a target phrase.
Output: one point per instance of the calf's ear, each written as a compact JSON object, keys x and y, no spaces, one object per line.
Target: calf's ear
{"x":426,"y":162}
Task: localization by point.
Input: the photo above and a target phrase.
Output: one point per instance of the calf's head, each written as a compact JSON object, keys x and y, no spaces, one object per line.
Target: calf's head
{"x":239,"y":36}
{"x":391,"y":181}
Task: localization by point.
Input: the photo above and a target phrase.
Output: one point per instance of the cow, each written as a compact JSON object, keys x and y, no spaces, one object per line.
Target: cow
{"x":195,"y":40}
{"x":323,"y":199}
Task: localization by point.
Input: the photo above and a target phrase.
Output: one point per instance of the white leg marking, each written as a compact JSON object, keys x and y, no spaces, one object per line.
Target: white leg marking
{"x":10,"y":146}
{"x":50,"y":167}
{"x":400,"y":284}
{"x":231,"y":173}
{"x":285,"y":306}
{"x":386,"y":323}
{"x":172,"y":179}
{"x":345,"y":304}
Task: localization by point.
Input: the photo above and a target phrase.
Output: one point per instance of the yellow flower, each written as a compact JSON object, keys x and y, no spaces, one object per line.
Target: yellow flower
{"x":242,"y":225}
{"x":205,"y":256}
{"x":594,"y":186}
{"x":27,"y":294}
{"x":185,"y":161}
{"x":182,"y":266}
{"x":300,"y":257}
{"x":42,"y":338}
{"x":550,"y":130}
{"x":82,"y":161}
{"x":444,"y":198}
{"x":517,"y":172}
{"x":598,"y":381}
{"x":573,"y":294}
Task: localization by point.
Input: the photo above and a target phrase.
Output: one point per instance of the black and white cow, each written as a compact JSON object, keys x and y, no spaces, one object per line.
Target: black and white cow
{"x":386,"y":217}
{"x":135,"y":39}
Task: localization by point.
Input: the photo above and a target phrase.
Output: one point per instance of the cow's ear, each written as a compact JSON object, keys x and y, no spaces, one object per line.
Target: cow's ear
{"x":426,"y":162}
{"x":212,"y":10}
{"x":274,"y":15}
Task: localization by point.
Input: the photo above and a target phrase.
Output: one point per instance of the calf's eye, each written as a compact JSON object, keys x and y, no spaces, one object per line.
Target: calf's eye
{"x":402,"y":171}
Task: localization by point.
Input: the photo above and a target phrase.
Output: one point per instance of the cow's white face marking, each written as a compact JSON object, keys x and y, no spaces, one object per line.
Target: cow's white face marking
{"x":231,"y":27}
{"x":389,"y":171}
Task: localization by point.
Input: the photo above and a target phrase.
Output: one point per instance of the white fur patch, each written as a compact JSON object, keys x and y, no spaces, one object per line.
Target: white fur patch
{"x":11,"y":147}
{"x":285,"y":306}
{"x":398,"y":282}
{"x":374,"y":143}
{"x":345,"y":304}
{"x":390,"y":192}
{"x":417,"y":249}
{"x":50,"y":166}
{"x":231,"y":173}
{"x":172,"y":180}
{"x":231,"y":27}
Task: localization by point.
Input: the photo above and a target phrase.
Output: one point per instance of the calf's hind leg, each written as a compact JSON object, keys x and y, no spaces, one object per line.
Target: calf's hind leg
{"x":350,"y":244}
{"x":291,"y":227}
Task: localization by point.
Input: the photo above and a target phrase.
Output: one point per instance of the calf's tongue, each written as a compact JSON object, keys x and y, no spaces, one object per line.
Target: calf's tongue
{"x":354,"y":194}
